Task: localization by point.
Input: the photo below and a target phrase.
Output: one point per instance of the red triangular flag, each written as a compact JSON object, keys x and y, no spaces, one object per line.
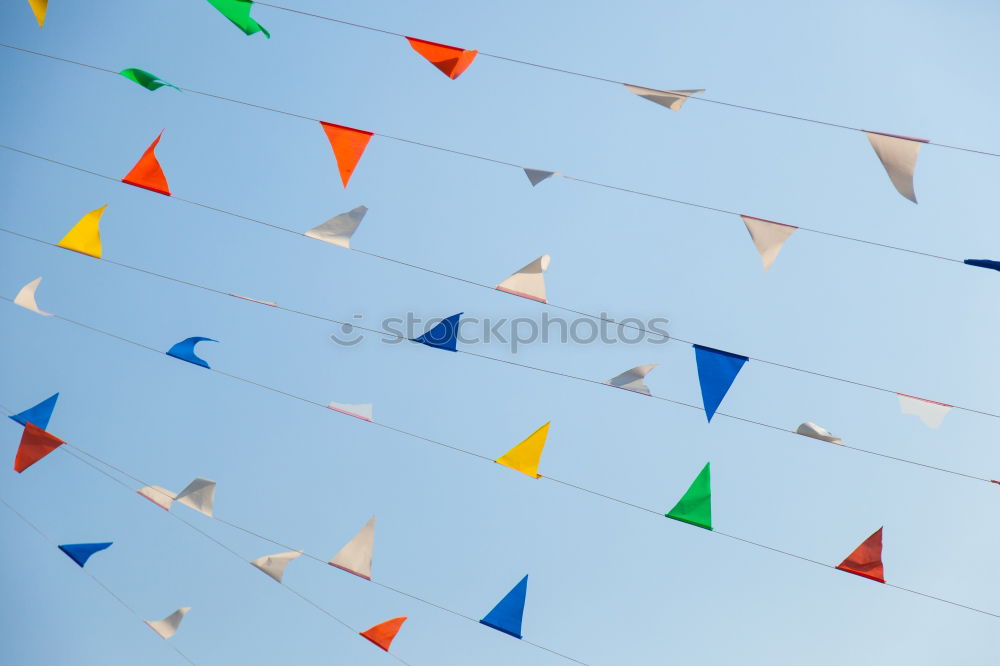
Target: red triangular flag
{"x":449,"y":59}
{"x":348,"y":146}
{"x":866,"y":560}
{"x":35,"y":445}
{"x":382,"y":634}
{"x":147,"y":172}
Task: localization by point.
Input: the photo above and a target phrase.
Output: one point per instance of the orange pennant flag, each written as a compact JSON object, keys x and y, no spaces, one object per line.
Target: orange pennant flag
{"x":866,"y":560}
{"x":449,"y":59}
{"x":382,"y":634}
{"x":147,"y":172}
{"x":35,"y":445}
{"x":348,"y":146}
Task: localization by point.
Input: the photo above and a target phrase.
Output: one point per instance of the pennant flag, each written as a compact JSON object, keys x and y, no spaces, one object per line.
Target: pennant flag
{"x":35,"y":445}
{"x":38,"y":415}
{"x":356,"y":556}
{"x":26,"y":297}
{"x":167,"y":627}
{"x":536,"y":175}
{"x":810,"y":429}
{"x":506,"y":616}
{"x":339,"y":229}
{"x":452,"y":61}
{"x":526,"y":456}
{"x":716,"y":372}
{"x":85,"y":236}
{"x":768,"y":237}
{"x":238,"y":11}
{"x":254,"y":300}
{"x":363,"y":412}
{"x":695,"y":508}
{"x":81,"y":552}
{"x":529,"y":281}
{"x":984,"y":263}
{"x":184,"y":350}
{"x":382,"y":634}
{"x":348,"y":146}
{"x":672,"y":99}
{"x":631,"y":380}
{"x":866,"y":560}
{"x":898,"y":155}
{"x":199,"y":495}
{"x":147,"y":173}
{"x":930,"y":412}
{"x":274,"y":565}
{"x":161,"y":497}
{"x":145,"y":79}
{"x":443,"y":336}
{"x":40,"y":8}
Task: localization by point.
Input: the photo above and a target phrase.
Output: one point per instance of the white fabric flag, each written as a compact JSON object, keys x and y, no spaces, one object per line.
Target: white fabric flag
{"x":899,"y":157}
{"x":529,"y":281}
{"x":631,"y":380}
{"x":199,"y":495}
{"x":930,"y":412}
{"x":768,"y":237}
{"x":537,"y":175}
{"x":363,"y":412}
{"x":157,"y":495}
{"x":672,"y":99}
{"x":356,"y":556}
{"x":26,"y":297}
{"x":274,"y":565}
{"x":810,"y":429}
{"x":339,"y":229}
{"x":167,"y":627}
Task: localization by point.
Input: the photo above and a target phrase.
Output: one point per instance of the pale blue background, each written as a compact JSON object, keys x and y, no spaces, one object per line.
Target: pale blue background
{"x":609,"y":585}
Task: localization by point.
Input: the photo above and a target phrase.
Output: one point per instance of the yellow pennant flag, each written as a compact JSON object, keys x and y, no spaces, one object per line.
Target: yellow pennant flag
{"x":524,"y":457}
{"x":85,"y":236}
{"x":39,"y":7}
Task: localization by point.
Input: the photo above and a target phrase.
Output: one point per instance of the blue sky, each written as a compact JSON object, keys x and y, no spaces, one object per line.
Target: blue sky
{"x":609,"y":585}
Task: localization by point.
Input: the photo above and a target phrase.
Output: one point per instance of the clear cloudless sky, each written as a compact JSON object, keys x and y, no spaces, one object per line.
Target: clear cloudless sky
{"x":609,"y":585}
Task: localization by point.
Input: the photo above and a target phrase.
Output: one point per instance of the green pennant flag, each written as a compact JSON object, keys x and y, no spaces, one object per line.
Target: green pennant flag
{"x":695,"y":507}
{"x":145,"y":79}
{"x":238,"y":11}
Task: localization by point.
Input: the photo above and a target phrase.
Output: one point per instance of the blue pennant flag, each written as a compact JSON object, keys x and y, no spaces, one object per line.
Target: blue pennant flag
{"x":184,"y":350}
{"x":984,"y":263}
{"x":506,"y":616}
{"x":716,"y":372}
{"x":38,"y":415}
{"x":81,"y":552}
{"x":443,"y":336}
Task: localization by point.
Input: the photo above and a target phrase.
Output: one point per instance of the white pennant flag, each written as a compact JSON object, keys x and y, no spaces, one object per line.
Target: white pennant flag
{"x":254,"y":300}
{"x":167,"y":627}
{"x":930,"y":412}
{"x":810,"y":429}
{"x":631,"y":380}
{"x":356,"y":556}
{"x":768,"y":237}
{"x":199,"y":495}
{"x":672,"y":99}
{"x":274,"y":565}
{"x":363,"y":412}
{"x":537,"y":175}
{"x":161,"y":497}
{"x":26,"y":297}
{"x":339,"y":229}
{"x":899,"y":157}
{"x":529,"y":281}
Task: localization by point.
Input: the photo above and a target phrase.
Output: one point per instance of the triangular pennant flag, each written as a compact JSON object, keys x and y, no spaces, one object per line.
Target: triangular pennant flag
{"x":35,"y":445}
{"x":40,"y":8}
{"x":238,"y":11}
{"x":695,"y":508}
{"x":184,"y":350}
{"x":363,"y":412}
{"x":338,"y":230}
{"x":537,"y":175}
{"x":147,"y":173}
{"x":85,"y":236}
{"x":274,"y":565}
{"x":984,"y":263}
{"x":529,"y":282}
{"x":930,"y":412}
{"x":254,"y":300}
{"x":866,"y":560}
{"x":38,"y":415}
{"x":168,"y":626}
{"x":145,"y":79}
{"x":348,"y":146}
{"x":452,"y":61}
{"x":809,"y":429}
{"x":631,"y":380}
{"x":768,"y":237}
{"x":382,"y":634}
{"x":506,"y":616}
{"x":898,"y":155}
{"x":356,"y":556}
{"x":161,"y":497}
{"x":81,"y":552}
{"x":199,"y":495}
{"x":443,"y":336}
{"x":26,"y":297}
{"x":526,"y":456}
{"x":716,"y":372}
{"x":672,"y":99}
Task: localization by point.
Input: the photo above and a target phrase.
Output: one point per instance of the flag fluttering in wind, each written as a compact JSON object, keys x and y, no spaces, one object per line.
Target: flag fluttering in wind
{"x":672,"y":99}
{"x":526,"y":456}
{"x":898,"y":155}
{"x":356,"y":556}
{"x":810,"y":429}
{"x":768,"y":237}
{"x":35,"y":445}
{"x":274,"y":565}
{"x":168,"y":626}
{"x":85,"y":236}
{"x":866,"y":560}
{"x":145,"y":79}
{"x":26,"y":297}
{"x":184,"y":350}
{"x":507,"y":615}
{"x":199,"y":495}
{"x":984,"y":263}
{"x":339,"y":229}
{"x":39,"y":8}
{"x":717,"y":370}
{"x":81,"y":552}
{"x":632,"y":380}
{"x":238,"y":11}
{"x":383,"y":634}
{"x":536,"y":176}
{"x":451,"y":60}
{"x":529,"y":282}
{"x":930,"y":412}
{"x":348,"y":146}
{"x":161,"y":497}
{"x":442,"y":336}
{"x":363,"y":411}
{"x":38,"y":415}
{"x":695,"y":507}
{"x":147,"y":173}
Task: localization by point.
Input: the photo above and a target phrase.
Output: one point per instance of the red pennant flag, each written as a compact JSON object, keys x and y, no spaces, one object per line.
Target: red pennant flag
{"x":866,"y":560}
{"x":35,"y":445}
{"x":382,"y":634}
{"x":348,"y":146}
{"x":147,"y":172}
{"x":449,"y":59}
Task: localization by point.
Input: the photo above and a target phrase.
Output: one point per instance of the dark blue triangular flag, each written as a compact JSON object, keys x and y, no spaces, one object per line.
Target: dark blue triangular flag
{"x":38,"y":415}
{"x":716,"y":371}
{"x":506,"y":616}
{"x":984,"y":263}
{"x":443,"y":336}
{"x":81,"y":552}
{"x":184,"y":350}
